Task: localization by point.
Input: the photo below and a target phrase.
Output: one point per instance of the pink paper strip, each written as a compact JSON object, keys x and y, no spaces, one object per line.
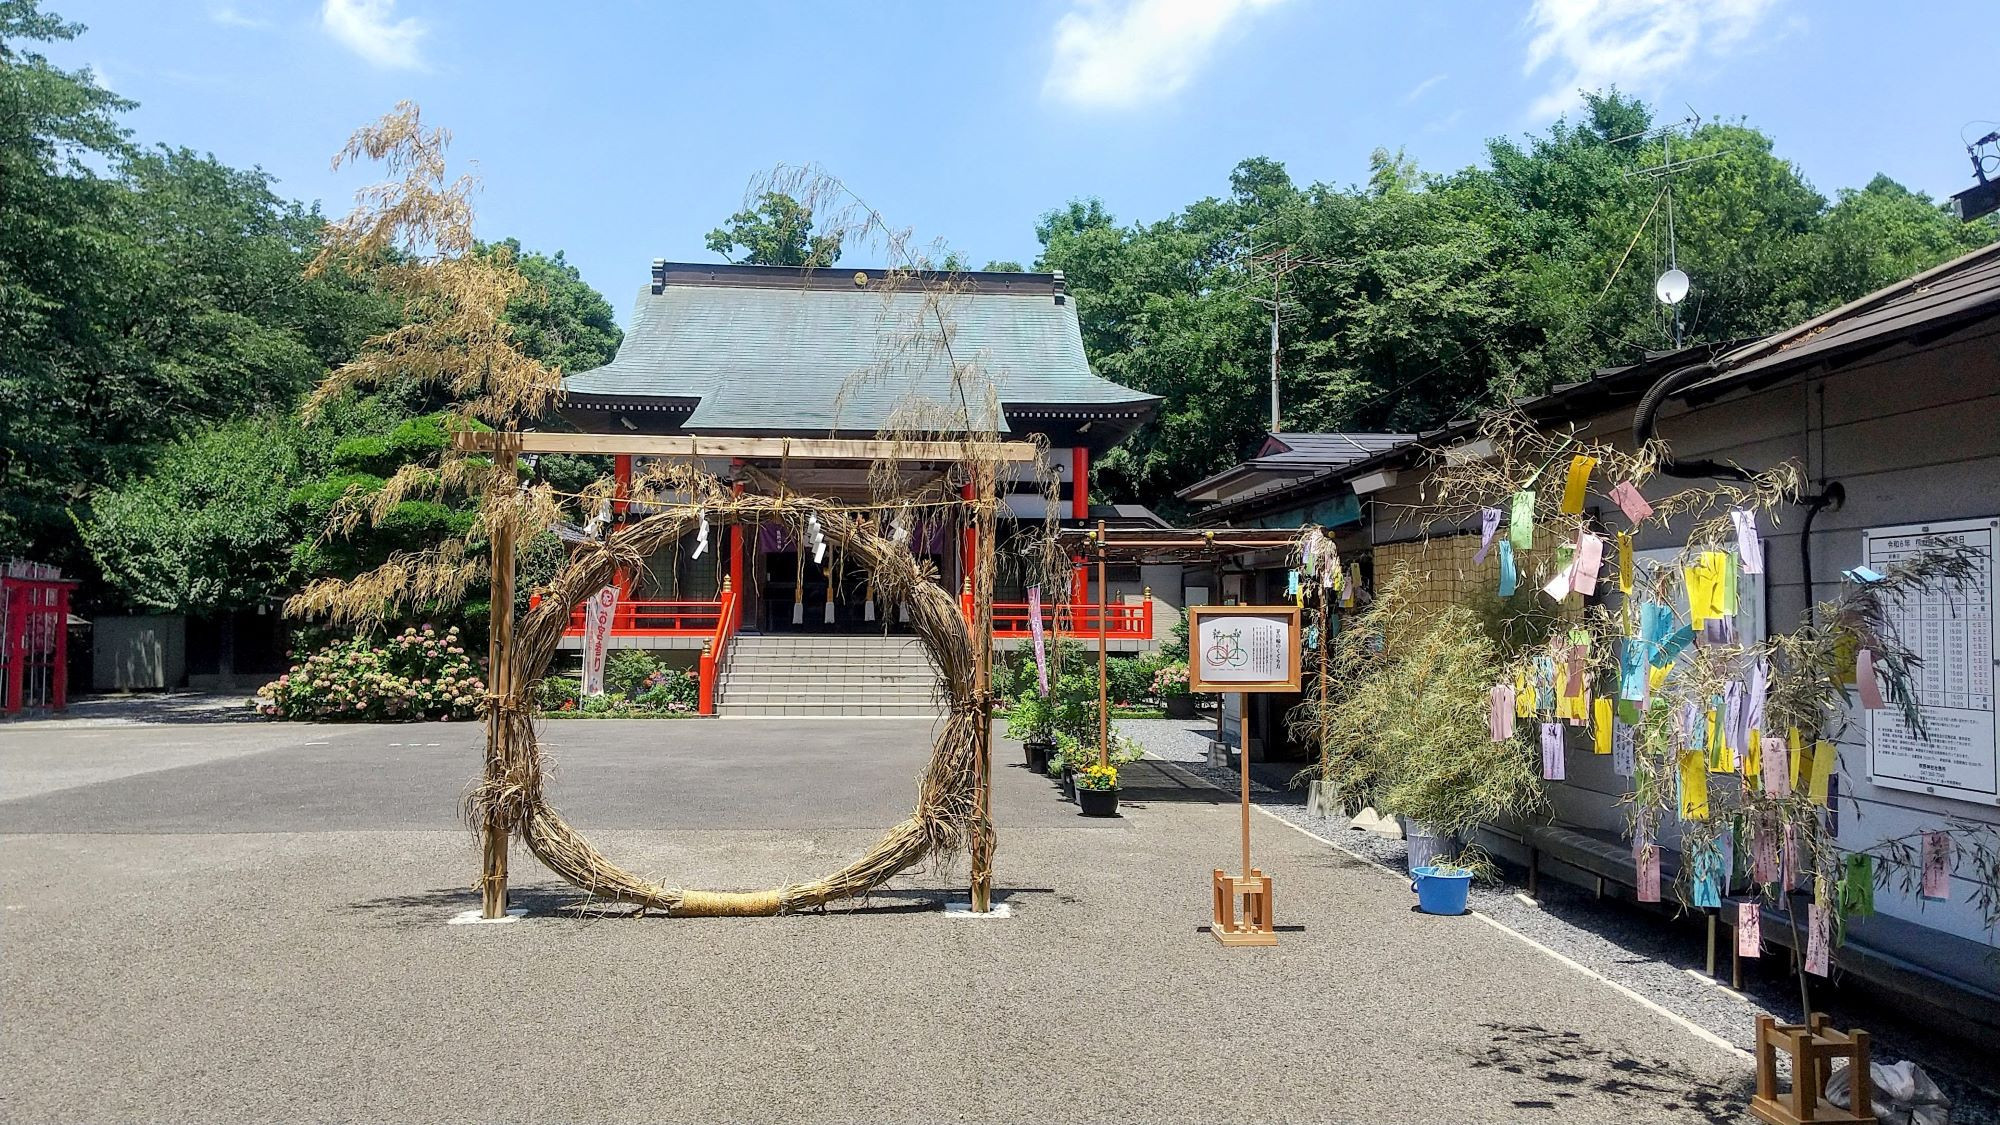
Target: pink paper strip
{"x":1819,"y":936}
{"x":1764,"y":857}
{"x":1749,"y":929}
{"x":1649,"y":875}
{"x":1041,"y":645}
{"x":1776,"y":766}
{"x":1501,"y":719}
{"x":1937,"y":866}
{"x":1589,"y":557}
{"x":1790,"y":873}
{"x":1630,"y":502}
{"x":1864,"y":678}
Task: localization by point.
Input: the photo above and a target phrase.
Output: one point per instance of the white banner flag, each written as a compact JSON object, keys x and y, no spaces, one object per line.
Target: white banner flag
{"x":597,"y":615}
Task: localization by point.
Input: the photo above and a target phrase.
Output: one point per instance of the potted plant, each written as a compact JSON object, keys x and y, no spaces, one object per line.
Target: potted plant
{"x":1409,"y":732}
{"x":1032,"y":720}
{"x":1097,"y":790}
{"x":1170,"y":683}
{"x":1442,"y":886}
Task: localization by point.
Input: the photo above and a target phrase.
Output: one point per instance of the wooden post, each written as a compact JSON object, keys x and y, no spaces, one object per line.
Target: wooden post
{"x":1243,"y":760}
{"x":982,"y":683}
{"x":1255,"y":925}
{"x":1103,"y":671}
{"x":499,"y":684}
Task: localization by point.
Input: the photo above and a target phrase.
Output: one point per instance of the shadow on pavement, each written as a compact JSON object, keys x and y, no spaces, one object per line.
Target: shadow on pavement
{"x":1571,"y":1066}
{"x":183,"y":707}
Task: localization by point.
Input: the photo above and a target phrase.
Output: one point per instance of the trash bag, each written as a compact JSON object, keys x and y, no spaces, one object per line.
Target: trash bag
{"x":1902,"y":1094}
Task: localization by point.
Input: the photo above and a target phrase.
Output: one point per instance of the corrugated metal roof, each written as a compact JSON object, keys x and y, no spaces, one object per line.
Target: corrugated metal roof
{"x":773,"y":353}
{"x":1965,"y":288}
{"x":1324,"y":449}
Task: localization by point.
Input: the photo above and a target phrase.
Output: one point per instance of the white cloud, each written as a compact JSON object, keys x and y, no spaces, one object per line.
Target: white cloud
{"x":1633,"y":44}
{"x":1116,"y":54}
{"x":370,"y":29}
{"x":1424,"y":87}
{"x":228,"y":16}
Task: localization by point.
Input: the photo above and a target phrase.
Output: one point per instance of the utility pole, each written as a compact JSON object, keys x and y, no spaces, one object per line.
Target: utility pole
{"x":1275,"y":420}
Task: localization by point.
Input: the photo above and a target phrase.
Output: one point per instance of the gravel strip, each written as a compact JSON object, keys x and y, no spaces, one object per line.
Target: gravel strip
{"x":1659,"y":959}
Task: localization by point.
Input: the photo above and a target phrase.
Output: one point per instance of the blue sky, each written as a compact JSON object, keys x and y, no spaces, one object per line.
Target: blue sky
{"x":623,"y":131}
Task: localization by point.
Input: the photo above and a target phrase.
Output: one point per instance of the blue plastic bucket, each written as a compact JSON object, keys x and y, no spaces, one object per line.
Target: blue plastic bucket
{"x":1440,"y":894}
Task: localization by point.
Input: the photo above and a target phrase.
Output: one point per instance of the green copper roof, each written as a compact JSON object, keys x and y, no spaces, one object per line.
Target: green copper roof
{"x":772,"y":348}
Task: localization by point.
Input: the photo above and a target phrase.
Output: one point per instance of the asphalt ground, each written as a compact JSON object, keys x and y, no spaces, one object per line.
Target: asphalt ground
{"x":247,"y":923}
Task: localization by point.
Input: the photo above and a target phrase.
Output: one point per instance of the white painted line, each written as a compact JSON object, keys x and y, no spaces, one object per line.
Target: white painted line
{"x":1695,"y":1029}
{"x":473,"y":918}
{"x":1524,"y":898}
{"x":1698,"y":1031}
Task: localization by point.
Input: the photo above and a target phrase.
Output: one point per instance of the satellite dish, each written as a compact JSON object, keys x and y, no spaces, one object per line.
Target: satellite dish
{"x":1672,"y":288}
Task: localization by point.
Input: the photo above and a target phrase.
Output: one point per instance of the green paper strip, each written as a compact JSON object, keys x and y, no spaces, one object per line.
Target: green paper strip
{"x":1521,"y":523}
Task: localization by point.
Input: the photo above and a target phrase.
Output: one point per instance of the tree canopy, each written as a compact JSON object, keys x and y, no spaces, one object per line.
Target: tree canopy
{"x":777,"y":231}
{"x":1416,"y":297}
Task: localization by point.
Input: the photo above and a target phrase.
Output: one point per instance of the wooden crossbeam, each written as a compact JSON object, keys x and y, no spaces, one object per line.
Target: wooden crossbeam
{"x":805,"y":449}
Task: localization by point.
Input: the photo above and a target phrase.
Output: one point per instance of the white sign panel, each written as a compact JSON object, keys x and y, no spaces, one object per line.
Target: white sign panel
{"x":598,"y":613}
{"x":1240,"y":648}
{"x":1952,"y":631}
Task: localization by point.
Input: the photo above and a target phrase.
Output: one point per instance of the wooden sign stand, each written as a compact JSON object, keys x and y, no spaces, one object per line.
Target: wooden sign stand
{"x":1813,"y":1047}
{"x":1252,"y":888}
{"x":1270,"y":662}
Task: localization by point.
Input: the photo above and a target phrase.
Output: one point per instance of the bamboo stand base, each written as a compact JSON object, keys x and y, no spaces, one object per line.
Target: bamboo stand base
{"x":1254,"y":926}
{"x":1813,"y":1047}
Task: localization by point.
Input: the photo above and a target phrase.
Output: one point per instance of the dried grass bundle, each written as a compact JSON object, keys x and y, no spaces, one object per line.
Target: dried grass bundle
{"x":512,"y":798}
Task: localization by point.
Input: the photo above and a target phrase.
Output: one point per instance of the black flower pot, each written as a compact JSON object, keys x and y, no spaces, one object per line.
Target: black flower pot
{"x":1180,"y":707}
{"x":1068,"y":782}
{"x":1097,"y":802}
{"x":1038,"y":755}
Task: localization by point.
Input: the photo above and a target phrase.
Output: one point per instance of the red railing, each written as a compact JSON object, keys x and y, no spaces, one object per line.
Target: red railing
{"x":657,"y":619}
{"x":717,"y":648}
{"x":1122,"y":621}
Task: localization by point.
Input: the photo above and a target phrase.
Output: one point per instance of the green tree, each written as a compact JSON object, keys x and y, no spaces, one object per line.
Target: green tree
{"x":143,"y":294}
{"x":559,"y":319}
{"x":778,"y":231}
{"x":1415,"y":297}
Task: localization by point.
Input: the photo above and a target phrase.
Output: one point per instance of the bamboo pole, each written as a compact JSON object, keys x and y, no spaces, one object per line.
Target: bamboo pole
{"x":982,"y":682}
{"x":499,"y":682}
{"x":1103,"y":675}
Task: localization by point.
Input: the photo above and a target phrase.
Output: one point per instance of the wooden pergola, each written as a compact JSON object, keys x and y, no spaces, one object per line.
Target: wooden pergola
{"x":507,"y":447}
{"x":1153,"y":545}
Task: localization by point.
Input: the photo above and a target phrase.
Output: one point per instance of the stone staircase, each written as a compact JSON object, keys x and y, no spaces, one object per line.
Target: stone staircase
{"x":832,"y":674}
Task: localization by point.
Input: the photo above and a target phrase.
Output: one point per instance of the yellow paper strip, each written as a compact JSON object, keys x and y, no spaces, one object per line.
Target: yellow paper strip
{"x":1824,"y":759}
{"x":1601,"y":728}
{"x":1795,"y":743}
{"x":1624,"y":562}
{"x":1694,"y":787}
{"x":1753,"y":755}
{"x":1578,"y":484}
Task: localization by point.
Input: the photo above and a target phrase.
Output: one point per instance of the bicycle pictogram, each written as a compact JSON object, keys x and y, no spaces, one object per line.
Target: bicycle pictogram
{"x":1226,"y":650}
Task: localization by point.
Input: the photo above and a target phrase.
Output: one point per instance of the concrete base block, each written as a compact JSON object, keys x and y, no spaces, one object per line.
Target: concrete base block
{"x":474,"y":918}
{"x":962,"y":908}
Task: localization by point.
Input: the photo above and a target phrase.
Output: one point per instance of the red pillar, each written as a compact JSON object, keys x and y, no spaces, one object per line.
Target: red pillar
{"x":621,"y":483}
{"x":968,"y":553}
{"x":1079,"y":490}
{"x":59,"y":675}
{"x":621,"y":487}
{"x":16,"y":640}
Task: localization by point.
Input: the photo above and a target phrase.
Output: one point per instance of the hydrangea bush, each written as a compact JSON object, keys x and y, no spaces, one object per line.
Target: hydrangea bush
{"x":417,"y":674}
